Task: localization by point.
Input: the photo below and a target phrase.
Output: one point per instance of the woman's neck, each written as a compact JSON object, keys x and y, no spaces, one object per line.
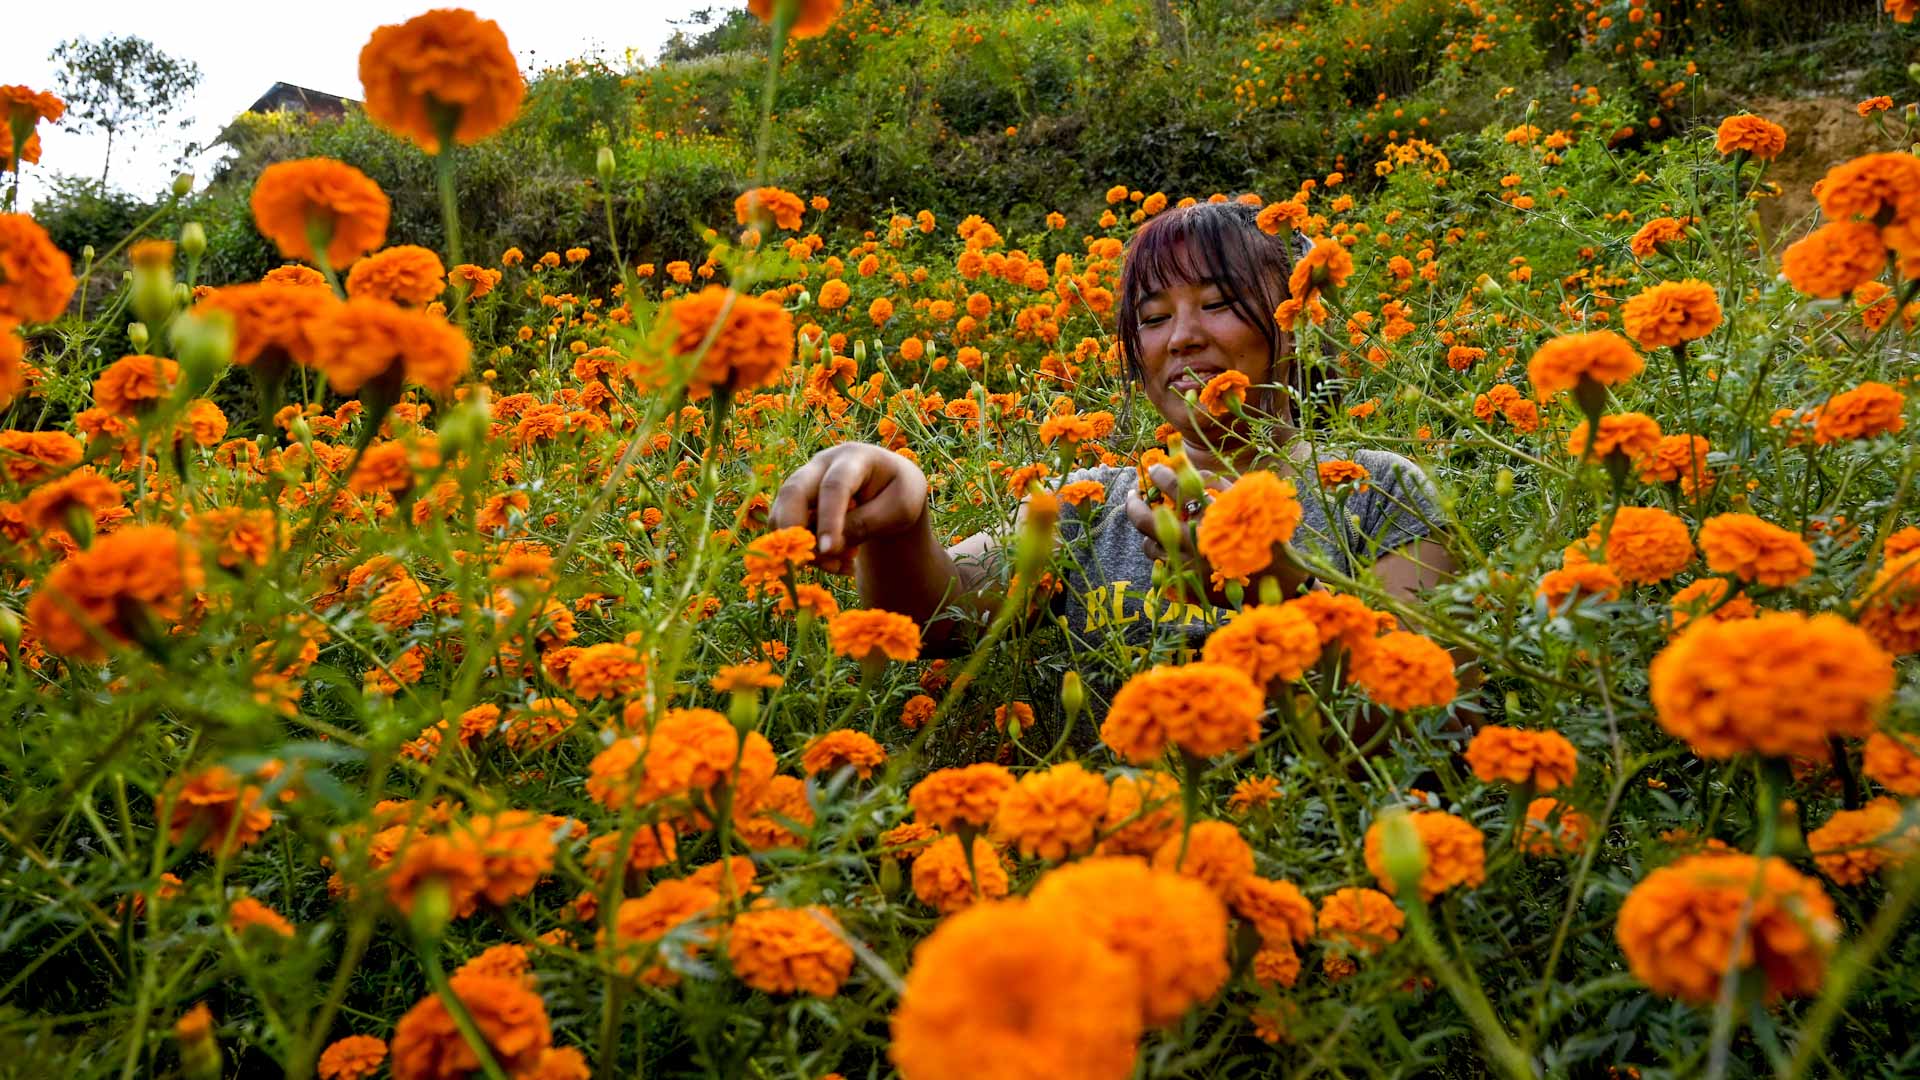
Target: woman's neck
{"x":1238,"y":454}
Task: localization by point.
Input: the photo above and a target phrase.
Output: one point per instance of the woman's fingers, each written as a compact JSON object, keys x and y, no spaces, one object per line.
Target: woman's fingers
{"x":793,"y":503}
{"x":842,"y":483}
{"x":1140,"y":515}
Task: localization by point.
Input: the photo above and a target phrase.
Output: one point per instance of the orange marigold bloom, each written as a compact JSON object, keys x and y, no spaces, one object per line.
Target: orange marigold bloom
{"x":1338,"y":617}
{"x":1680,"y":459}
{"x":214,"y":799}
{"x":446,"y":862}
{"x":1671,"y":313}
{"x":1326,"y":265}
{"x":767,"y":821}
{"x":966,"y":796}
{"x":1762,"y":139}
{"x":128,"y":586}
{"x":1632,"y":435}
{"x":1870,"y":185}
{"x":1543,"y":760}
{"x":1754,"y":550}
{"x":477,"y":281}
{"x":1601,"y":356}
{"x":83,"y":491}
{"x":607,"y":670}
{"x":755,"y":675}
{"x":1363,"y":920}
{"x":1243,"y":525}
{"x":1661,"y":230}
{"x":355,"y":1057}
{"x":784,"y":207}
{"x":1205,"y":709}
{"x":1214,"y":852}
{"x":1143,"y":810}
{"x":1267,"y":642}
{"x":753,"y":347}
{"x":1539,"y":835}
{"x":789,"y":951}
{"x":1335,"y":473}
{"x":364,"y":340}
{"x":1780,"y":683}
{"x":1170,"y":928}
{"x":1404,"y":670}
{"x":836,"y":750}
{"x":1065,"y":1005}
{"x":1277,"y":909}
{"x":1678,"y":925}
{"x":640,"y":924}
{"x":1453,"y":852}
{"x":1855,"y":845}
{"x":941,"y":879}
{"x":36,"y":278}
{"x":1222,"y":389}
{"x":1835,"y":258}
{"x":516,"y":849}
{"x":132,"y":385}
{"x":864,"y":633}
{"x":769,"y":558}
{"x":248,"y":911}
{"x":445,"y":72}
{"x":1704,"y":597}
{"x":697,"y":749}
{"x":810,"y":20}
{"x":1646,"y":543}
{"x":297,"y":202}
{"x":1892,"y":763}
{"x":406,"y":274}
{"x":1872,"y":408}
{"x":512,"y":1021}
{"x":1902,"y":11}
{"x":1052,"y":813}
{"x":272,"y":324}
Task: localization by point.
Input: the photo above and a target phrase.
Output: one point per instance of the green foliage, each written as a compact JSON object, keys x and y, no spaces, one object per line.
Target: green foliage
{"x":120,"y":85}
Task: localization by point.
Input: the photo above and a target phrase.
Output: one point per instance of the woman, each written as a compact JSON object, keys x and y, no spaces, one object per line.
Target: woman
{"x":1197,"y":296}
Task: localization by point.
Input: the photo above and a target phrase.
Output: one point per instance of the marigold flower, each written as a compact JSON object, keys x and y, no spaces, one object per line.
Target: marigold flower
{"x":867,"y":633}
{"x":1403,"y":670}
{"x":789,"y":951}
{"x":783,"y":207}
{"x":36,"y":278}
{"x":1143,"y":810}
{"x":1656,"y":233}
{"x":1453,"y":850}
{"x":607,"y":670}
{"x":516,"y":849}
{"x":1172,"y":929}
{"x":1243,"y":525}
{"x":364,"y":340}
{"x":1671,"y":313}
{"x":695,"y":750}
{"x":967,"y":796}
{"x":1543,"y":760}
{"x":512,"y":1021}
{"x":1780,"y":683}
{"x":941,"y":879}
{"x":1254,"y":793}
{"x":836,"y":750}
{"x":1267,"y":642}
{"x":83,"y":491}
{"x":1893,"y":763}
{"x":1872,"y":408}
{"x":1205,"y":709}
{"x":1754,"y":550}
{"x":1326,"y":265}
{"x":810,"y":20}
{"x":771,"y":557}
{"x":248,"y":911}
{"x":1871,"y":184}
{"x":1066,"y":1006}
{"x":1647,"y":544}
{"x":1214,"y":852}
{"x":1278,"y":909}
{"x":406,"y":274}
{"x":752,"y":348}
{"x":1678,"y":925}
{"x":1052,"y":813}
{"x":1539,"y":836}
{"x":355,"y":1057}
{"x":640,"y":924}
{"x":271,"y":323}
{"x":1631,"y":435}
{"x":1335,"y":473}
{"x":446,"y":862}
{"x":475,"y":281}
{"x":1855,"y":845}
{"x":298,"y":203}
{"x":1338,"y":617}
{"x":128,"y":586}
{"x":1601,"y":356}
{"x":1226,"y":387}
{"x":445,"y":72}
{"x":768,"y":820}
{"x":1680,"y":459}
{"x":1762,"y":139}
{"x":1363,"y":920}
{"x":132,"y":385}
{"x":1705,"y":597}
{"x":1835,"y":258}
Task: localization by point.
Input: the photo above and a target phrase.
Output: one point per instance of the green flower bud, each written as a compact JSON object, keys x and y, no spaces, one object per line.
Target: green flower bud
{"x":860,"y":352}
{"x":466,"y":425}
{"x":1400,"y":848}
{"x":1503,"y":482}
{"x":603,"y":164}
{"x":153,"y":294}
{"x":890,"y":877}
{"x":86,"y":253}
{"x":1073,"y":695}
{"x":203,"y":344}
{"x":182,"y":185}
{"x":1167,"y":528}
{"x":9,"y":628}
{"x":193,"y":239}
{"x":137,"y":334}
{"x":1913,"y":71}
{"x":432,"y":910}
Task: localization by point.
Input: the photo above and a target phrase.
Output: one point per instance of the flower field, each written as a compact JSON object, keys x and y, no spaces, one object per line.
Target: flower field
{"x":423,"y":662}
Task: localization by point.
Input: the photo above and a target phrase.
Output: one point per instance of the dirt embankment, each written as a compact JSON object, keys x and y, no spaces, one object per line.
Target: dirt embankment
{"x":1821,"y":132}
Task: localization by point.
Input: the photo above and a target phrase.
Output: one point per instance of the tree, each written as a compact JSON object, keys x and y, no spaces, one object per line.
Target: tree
{"x":121,"y":84}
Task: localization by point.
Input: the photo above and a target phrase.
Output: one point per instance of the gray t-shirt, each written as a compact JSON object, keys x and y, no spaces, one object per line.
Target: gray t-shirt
{"x":1109,"y":575}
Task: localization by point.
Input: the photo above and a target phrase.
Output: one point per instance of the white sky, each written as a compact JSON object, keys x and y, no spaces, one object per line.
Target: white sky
{"x":244,"y":48}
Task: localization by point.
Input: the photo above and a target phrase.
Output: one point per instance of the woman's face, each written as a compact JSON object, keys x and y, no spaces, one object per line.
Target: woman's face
{"x":1189,"y":333}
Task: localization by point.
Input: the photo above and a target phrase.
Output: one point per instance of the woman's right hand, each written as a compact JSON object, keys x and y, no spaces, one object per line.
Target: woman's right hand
{"x":849,"y":494}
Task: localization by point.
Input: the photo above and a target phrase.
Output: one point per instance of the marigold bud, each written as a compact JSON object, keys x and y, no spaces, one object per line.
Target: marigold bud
{"x":1401,"y":851}
{"x":182,"y":185}
{"x":203,"y":345}
{"x":1073,"y":693}
{"x":603,"y":164}
{"x":138,"y":336}
{"x":193,"y":239}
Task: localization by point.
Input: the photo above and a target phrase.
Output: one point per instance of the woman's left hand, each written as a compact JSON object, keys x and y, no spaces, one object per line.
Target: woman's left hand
{"x":1284,"y":567}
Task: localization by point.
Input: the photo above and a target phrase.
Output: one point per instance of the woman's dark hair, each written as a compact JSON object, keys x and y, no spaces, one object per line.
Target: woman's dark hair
{"x":1218,"y":242}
